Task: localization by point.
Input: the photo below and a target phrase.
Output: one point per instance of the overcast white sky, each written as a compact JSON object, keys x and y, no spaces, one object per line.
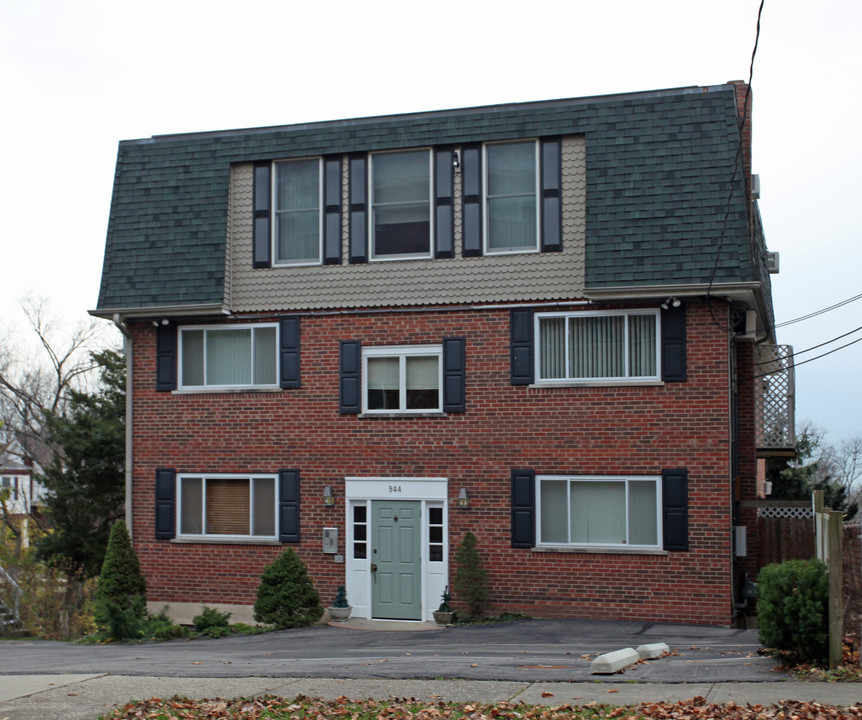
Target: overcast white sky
{"x":77,"y":77}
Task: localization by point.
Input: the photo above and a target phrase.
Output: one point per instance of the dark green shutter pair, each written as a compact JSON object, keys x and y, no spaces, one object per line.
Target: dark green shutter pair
{"x":288,"y":351}
{"x":522,"y":351}
{"x":288,"y":504}
{"x":674,"y":509}
{"x":454,"y":376}
{"x":262,"y":213}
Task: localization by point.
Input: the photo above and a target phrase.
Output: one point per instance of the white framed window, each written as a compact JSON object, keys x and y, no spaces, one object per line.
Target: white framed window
{"x":404,"y":379}
{"x":400,"y":215}
{"x":585,"y":346}
{"x":227,"y":506}
{"x":297,"y":189}
{"x":604,"y":511}
{"x":234,"y":356}
{"x":512,"y":195}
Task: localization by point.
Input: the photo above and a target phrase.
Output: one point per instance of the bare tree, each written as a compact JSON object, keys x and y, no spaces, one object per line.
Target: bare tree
{"x":843,"y":462}
{"x":34,"y":384}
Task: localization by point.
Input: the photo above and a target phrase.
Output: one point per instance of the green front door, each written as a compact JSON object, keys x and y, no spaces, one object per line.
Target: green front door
{"x":396,"y":569}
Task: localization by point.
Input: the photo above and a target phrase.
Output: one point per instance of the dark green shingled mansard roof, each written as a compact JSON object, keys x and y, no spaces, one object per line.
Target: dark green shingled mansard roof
{"x":659,"y":167}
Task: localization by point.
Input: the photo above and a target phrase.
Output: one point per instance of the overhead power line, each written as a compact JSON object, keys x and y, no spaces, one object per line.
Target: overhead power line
{"x":819,"y":312}
{"x":814,"y":347}
{"x":816,"y":357}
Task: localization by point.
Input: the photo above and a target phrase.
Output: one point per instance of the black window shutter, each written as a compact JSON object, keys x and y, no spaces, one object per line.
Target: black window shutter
{"x":288,"y":506}
{"x":552,"y":227}
{"x":166,"y":358}
{"x":673,"y":344}
{"x":454,"y":375}
{"x":332,"y":210}
{"x":523,"y":508}
{"x":350,"y":377}
{"x":521,"y":346}
{"x":444,"y":238}
{"x":674,"y":492}
{"x":165,"y":500}
{"x":261,"y":245}
{"x":358,"y":208}
{"x":289,"y":358}
{"x":471,"y":200}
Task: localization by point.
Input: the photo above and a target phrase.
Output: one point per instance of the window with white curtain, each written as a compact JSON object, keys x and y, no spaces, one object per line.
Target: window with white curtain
{"x":401,"y":204}
{"x":297,"y":230}
{"x":402,"y":379}
{"x":229,"y":356}
{"x":605,"y":511}
{"x":511,"y":197}
{"x":620,"y":345}
{"x":226,"y":506}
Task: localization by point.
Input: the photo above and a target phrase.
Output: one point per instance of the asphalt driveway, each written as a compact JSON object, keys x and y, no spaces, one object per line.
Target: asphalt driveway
{"x":526,"y":651}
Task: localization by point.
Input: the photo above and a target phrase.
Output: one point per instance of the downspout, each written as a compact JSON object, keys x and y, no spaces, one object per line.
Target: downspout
{"x":127,"y":350}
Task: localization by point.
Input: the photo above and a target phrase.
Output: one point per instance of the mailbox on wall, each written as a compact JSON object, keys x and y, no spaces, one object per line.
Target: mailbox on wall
{"x":330,"y":541}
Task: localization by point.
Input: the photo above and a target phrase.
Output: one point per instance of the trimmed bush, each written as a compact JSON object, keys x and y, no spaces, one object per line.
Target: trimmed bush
{"x":211,"y":622}
{"x":285,"y":597}
{"x":121,"y":594}
{"x":793,"y":609}
{"x":471,"y":581}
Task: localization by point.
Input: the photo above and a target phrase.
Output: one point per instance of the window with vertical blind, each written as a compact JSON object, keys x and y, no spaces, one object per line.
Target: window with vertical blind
{"x":298,"y":227}
{"x":511,"y":197}
{"x":230,"y":506}
{"x":599,"y":511}
{"x":234,"y":356}
{"x":402,"y":379}
{"x":615,"y":346}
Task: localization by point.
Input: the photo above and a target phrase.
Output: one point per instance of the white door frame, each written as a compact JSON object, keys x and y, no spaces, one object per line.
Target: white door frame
{"x":432,"y":493}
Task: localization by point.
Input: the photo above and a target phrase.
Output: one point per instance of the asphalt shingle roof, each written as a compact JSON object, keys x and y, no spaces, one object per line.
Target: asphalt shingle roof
{"x":659,"y":169}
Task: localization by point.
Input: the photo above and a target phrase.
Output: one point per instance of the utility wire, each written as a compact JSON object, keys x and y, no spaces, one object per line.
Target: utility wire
{"x":819,"y":312}
{"x":813,"y":347}
{"x":745,"y":106}
{"x":816,"y":357}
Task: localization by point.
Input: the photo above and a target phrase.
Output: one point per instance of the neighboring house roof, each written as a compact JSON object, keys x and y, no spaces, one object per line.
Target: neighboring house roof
{"x":659,"y":167}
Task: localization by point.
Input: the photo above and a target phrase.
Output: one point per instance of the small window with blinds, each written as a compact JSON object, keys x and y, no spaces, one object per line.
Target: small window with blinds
{"x":227,"y":506}
{"x":402,"y":379}
{"x":234,"y":356}
{"x":599,"y":511}
{"x":591,"y":346}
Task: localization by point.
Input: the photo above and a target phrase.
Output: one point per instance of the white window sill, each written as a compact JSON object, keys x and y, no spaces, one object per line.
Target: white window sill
{"x":515,"y":251}
{"x":225,"y":541}
{"x":225,"y":390}
{"x":598,"y":550}
{"x":408,"y":414}
{"x":598,"y":383}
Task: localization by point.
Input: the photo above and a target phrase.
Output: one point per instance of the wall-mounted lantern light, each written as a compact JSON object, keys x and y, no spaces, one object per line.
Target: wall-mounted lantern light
{"x":328,"y":499}
{"x":463,"y":500}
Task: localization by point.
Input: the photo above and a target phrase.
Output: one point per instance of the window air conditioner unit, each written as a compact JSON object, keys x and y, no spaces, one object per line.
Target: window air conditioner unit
{"x":772,"y":262}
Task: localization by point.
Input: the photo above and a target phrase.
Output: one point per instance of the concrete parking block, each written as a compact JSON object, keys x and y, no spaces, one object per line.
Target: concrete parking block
{"x":614,"y":661}
{"x":653,"y":650}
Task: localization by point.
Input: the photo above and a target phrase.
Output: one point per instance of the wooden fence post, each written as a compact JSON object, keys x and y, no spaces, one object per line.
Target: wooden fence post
{"x":836,"y":588}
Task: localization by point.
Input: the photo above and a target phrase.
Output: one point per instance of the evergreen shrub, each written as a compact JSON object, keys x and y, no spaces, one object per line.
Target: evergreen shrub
{"x":286,"y":597}
{"x":793,"y":609}
{"x":121,"y":594}
{"x":471,"y":581}
{"x":212,"y":622}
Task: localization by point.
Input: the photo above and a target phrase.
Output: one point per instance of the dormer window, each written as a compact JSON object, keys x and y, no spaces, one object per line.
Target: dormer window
{"x":511,"y":197}
{"x":401,"y":205}
{"x":298,"y":228}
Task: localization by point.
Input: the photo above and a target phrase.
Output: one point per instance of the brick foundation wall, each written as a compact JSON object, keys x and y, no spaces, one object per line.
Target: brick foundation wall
{"x":576,"y":430}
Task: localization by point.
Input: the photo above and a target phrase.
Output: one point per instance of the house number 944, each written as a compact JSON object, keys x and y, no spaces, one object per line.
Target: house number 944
{"x":395,"y":488}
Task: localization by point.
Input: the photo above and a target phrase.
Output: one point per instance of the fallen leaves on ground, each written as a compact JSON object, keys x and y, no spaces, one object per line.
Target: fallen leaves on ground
{"x":304,"y":708}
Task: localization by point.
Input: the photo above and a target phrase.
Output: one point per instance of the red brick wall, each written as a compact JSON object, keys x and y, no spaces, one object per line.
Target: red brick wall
{"x":637,"y":430}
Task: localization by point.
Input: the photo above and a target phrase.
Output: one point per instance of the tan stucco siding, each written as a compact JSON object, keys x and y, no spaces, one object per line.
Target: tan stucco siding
{"x":506,"y":278}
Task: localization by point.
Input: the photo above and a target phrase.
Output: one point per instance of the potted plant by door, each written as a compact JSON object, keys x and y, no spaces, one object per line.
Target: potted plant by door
{"x":444,"y":614}
{"x":340,"y":610}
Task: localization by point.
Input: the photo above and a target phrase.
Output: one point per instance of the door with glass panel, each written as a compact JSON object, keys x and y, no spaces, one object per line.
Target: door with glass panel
{"x":396,"y":568}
